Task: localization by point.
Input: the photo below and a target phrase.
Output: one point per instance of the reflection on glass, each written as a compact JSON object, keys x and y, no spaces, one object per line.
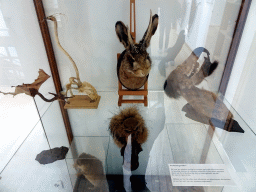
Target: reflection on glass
{"x":168,"y":20}
{"x":202,"y":104}
{"x":172,"y":53}
{"x":3,"y":28}
{"x":8,"y":56}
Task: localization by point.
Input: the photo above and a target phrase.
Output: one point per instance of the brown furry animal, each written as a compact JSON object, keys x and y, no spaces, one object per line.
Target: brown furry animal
{"x":134,"y":63}
{"x":92,"y":169}
{"x":129,"y":122}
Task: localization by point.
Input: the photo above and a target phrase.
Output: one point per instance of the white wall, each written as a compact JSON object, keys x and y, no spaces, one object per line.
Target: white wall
{"x":212,"y":28}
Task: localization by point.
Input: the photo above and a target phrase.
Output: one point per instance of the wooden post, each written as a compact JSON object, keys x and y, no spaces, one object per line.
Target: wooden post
{"x":237,"y":36}
{"x":52,"y":62}
{"x":132,"y":19}
{"x":121,"y":91}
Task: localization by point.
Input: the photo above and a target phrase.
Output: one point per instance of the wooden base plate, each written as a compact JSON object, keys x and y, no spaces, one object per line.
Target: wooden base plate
{"x":82,"y":102}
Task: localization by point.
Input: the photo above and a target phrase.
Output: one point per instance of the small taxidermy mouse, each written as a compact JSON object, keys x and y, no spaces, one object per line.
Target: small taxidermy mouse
{"x":92,"y":169}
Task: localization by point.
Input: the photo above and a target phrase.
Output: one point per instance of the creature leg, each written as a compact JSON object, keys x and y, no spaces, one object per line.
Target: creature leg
{"x":9,"y":93}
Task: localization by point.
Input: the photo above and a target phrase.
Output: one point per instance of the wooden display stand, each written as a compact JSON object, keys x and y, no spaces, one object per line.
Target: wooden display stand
{"x":82,"y":102}
{"x":121,"y":91}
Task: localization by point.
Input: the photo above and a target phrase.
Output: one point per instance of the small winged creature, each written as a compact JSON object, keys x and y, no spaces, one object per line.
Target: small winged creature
{"x":203,"y":106}
{"x":32,"y":89}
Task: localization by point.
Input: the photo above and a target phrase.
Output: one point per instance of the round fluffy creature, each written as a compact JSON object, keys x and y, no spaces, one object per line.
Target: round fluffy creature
{"x":127,"y":122}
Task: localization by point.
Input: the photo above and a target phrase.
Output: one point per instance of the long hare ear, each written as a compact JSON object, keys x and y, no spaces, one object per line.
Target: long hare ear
{"x":153,"y":22}
{"x":123,"y":34}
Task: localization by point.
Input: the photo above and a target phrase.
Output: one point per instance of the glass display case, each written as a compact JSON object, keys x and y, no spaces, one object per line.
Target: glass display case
{"x":183,"y":142}
{"x":162,"y":95}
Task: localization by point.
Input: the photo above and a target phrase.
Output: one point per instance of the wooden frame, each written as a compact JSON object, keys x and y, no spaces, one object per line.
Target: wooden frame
{"x":241,"y":20}
{"x":143,"y":92}
{"x":122,"y":92}
{"x":52,"y":62}
{"x":132,"y":19}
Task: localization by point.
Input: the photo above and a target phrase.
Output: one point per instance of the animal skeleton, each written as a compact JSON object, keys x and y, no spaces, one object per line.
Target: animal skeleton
{"x":84,"y":87}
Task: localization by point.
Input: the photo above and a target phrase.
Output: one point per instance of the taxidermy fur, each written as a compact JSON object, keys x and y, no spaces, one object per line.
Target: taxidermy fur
{"x":92,"y":169}
{"x":207,"y":107}
{"x":129,"y":122}
{"x":134,"y":63}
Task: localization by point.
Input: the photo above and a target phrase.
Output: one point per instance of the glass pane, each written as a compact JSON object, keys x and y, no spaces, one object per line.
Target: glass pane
{"x":182,"y":121}
{"x":177,"y":133}
{"x":24,"y":173}
{"x":22,"y":55}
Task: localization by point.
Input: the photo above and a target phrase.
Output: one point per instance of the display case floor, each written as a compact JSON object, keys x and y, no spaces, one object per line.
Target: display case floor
{"x":115,"y":184}
{"x":138,"y":184}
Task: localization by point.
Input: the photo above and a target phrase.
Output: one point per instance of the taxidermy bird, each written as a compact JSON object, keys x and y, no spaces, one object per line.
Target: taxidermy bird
{"x":134,"y":63}
{"x":203,"y":106}
{"x":92,"y":169}
{"x":129,"y":122}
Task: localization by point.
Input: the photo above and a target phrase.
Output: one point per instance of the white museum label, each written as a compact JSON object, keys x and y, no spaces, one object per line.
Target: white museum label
{"x":200,"y":175}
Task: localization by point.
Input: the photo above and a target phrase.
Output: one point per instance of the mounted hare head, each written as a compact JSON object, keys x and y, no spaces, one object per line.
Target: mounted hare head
{"x":134,"y":63}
